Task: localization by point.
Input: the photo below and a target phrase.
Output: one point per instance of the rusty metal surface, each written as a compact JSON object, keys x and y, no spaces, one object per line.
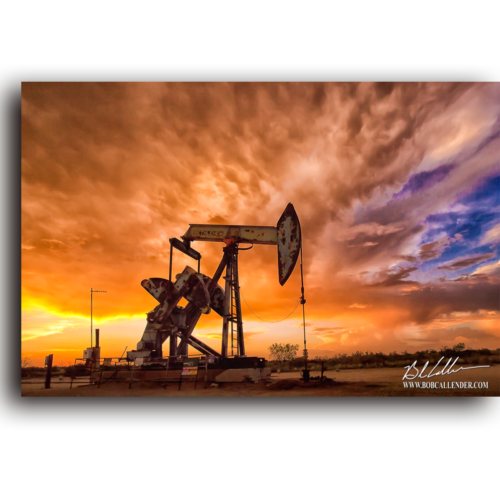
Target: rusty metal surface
{"x":161,"y":289}
{"x":176,"y":243}
{"x":173,"y":345}
{"x":201,"y":346}
{"x":289,"y":242}
{"x":168,"y":320}
{"x":217,"y":300}
{"x":216,"y":294}
{"x":226,"y":316}
{"x":262,"y":235}
{"x":193,"y":314}
{"x":198,"y":295}
{"x":240,"y":339}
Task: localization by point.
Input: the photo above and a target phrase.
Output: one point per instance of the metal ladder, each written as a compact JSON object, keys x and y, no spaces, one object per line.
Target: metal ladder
{"x":232,"y":319}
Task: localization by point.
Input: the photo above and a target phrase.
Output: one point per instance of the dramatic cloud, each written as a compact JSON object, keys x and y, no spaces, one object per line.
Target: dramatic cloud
{"x":431,"y":251}
{"x":465,"y":263}
{"x":489,"y":269}
{"x":397,"y":277}
{"x":491,"y":236}
{"x":464,"y":332}
{"x":327,"y":329}
{"x":408,"y":258}
{"x":396,"y":187}
{"x":423,"y":180}
{"x":218,"y":335}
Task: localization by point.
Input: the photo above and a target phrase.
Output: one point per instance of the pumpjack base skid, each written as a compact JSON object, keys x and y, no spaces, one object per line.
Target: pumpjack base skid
{"x":214,"y":364}
{"x":165,"y":370}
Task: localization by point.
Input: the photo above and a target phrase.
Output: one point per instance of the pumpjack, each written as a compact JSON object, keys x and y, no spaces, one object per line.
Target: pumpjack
{"x":172,"y":322}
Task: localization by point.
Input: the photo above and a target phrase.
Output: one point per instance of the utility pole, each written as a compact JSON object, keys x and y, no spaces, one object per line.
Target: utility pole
{"x":92,"y":291}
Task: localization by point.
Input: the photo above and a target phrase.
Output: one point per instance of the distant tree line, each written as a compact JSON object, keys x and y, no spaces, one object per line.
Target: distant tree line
{"x":30,"y":371}
{"x":369,"y":359}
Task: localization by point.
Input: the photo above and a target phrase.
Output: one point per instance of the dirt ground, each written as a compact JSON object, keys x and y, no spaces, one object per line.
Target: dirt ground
{"x":347,"y":383}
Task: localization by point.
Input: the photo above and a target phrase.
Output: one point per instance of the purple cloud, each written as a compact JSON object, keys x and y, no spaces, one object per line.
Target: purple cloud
{"x":423,"y":180}
{"x":465,"y":263}
{"x":395,"y":277}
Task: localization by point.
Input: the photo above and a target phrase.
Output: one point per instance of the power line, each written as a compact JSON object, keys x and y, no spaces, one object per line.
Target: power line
{"x":303,"y":301}
{"x":265,"y":320}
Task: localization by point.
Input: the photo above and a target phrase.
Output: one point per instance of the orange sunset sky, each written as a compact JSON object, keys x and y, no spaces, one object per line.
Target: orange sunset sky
{"x":396,"y":187}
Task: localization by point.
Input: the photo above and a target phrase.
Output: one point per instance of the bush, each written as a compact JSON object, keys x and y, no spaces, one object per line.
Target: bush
{"x":376,"y":360}
{"x":73,"y":371}
{"x":283,"y":352}
{"x":32,"y":371}
{"x":399,"y":363}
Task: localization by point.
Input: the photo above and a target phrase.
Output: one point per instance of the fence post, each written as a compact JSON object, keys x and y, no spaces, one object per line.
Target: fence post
{"x":48,"y":363}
